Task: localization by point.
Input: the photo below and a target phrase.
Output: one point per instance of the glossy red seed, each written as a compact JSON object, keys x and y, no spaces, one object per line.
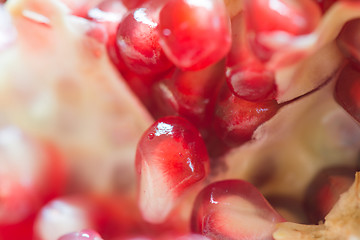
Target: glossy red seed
{"x":246,"y":76}
{"x":233,"y":209}
{"x":190,"y":94}
{"x":286,"y":18}
{"x":252,"y":81}
{"x":138,"y":42}
{"x":236,"y":119}
{"x":347,"y":91}
{"x":324,"y":191}
{"x":349,"y":41}
{"x":110,"y":216}
{"x":82,"y":235}
{"x":171,"y":158}
{"x":194,"y":34}
{"x":66,"y":215}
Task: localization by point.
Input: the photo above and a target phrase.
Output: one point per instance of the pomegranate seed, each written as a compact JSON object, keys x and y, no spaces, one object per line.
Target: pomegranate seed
{"x":190,"y":94}
{"x":274,"y":20}
{"x":246,"y":76}
{"x":347,"y":91}
{"x":82,"y":235}
{"x":107,"y":215}
{"x":349,"y":41}
{"x":324,"y":191}
{"x":20,"y":230}
{"x":138,"y":42}
{"x":252,"y":81}
{"x":233,"y":209}
{"x":194,"y":34}
{"x":31,"y":174}
{"x":171,"y":157}
{"x":65,"y":215}
{"x":236,"y":119}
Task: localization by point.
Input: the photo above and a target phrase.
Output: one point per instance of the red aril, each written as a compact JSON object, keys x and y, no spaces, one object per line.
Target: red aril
{"x":246,"y":76}
{"x":347,"y":91}
{"x":278,"y":21}
{"x":252,"y":81}
{"x":31,"y":173}
{"x":291,"y":16}
{"x":190,"y":94}
{"x":65,"y":215}
{"x":194,"y":34}
{"x":20,"y":230}
{"x":142,"y":87}
{"x":349,"y":41}
{"x":325,"y":190}
{"x":82,"y":235}
{"x":138,"y":42}
{"x":233,"y":209}
{"x":236,"y":119}
{"x":110,"y":216}
{"x":171,"y":158}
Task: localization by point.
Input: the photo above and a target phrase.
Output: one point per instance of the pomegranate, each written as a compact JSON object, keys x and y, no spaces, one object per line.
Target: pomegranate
{"x":138,"y":42}
{"x":239,"y":205}
{"x":114,"y":115}
{"x":82,"y":235}
{"x":194,"y":34}
{"x":171,"y":157}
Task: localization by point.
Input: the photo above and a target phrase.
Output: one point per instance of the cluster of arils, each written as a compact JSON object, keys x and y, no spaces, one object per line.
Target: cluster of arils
{"x":215,"y":69}
{"x":207,"y":71}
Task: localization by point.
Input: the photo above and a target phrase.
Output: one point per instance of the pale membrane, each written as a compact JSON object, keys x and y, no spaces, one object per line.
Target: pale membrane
{"x":57,"y":83}
{"x":302,"y":63}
